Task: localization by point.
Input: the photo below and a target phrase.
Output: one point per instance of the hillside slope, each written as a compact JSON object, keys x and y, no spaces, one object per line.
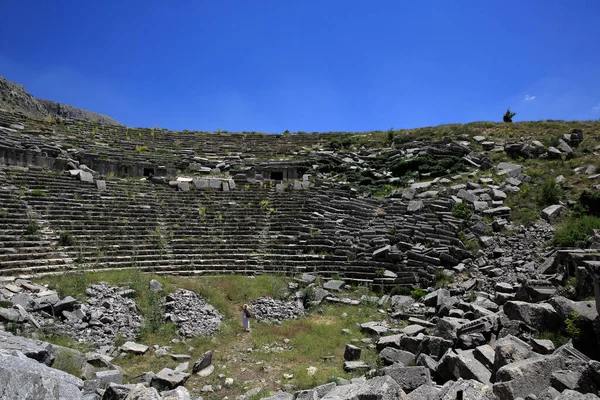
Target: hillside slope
{"x":14,"y":96}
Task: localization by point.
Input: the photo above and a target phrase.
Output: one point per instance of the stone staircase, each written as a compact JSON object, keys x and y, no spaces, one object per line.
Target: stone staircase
{"x":253,"y":229}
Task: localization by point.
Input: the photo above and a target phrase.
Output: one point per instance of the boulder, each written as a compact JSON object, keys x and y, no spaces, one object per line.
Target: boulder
{"x":551,"y":213}
{"x":409,"y":378}
{"x":463,"y":365}
{"x":141,"y":392}
{"x":510,"y":349}
{"x":352,"y":353}
{"x":135,"y":348}
{"x":155,"y":286}
{"x":574,"y":395}
{"x":168,"y":379}
{"x":525,"y":377}
{"x":380,"y":388}
{"x":203,"y":362}
{"x":34,"y":349}
{"x":25,"y":378}
{"x":390,"y":355}
{"x":541,"y":316}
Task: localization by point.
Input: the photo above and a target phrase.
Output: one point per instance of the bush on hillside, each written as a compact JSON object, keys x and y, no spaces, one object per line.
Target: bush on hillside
{"x":590,"y":202}
{"x":550,"y":192}
{"x":436,"y":166}
{"x":576,"y":231}
{"x":508,"y":115}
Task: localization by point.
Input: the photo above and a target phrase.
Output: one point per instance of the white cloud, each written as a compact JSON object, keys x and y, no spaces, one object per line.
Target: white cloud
{"x":529,"y":98}
{"x":596,"y":107}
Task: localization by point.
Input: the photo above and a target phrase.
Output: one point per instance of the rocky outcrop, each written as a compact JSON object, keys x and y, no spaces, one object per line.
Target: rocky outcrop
{"x":15,"y":96}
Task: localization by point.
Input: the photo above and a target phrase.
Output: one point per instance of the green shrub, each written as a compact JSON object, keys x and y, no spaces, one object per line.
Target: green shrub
{"x":550,"y":192}
{"x":571,"y":326}
{"x":442,"y":279}
{"x":576,"y":231}
{"x":418,"y":293}
{"x":590,"y":202}
{"x":39,"y":193}
{"x":66,"y":239}
{"x":400,"y":291}
{"x":32,"y":227}
{"x":436,"y":166}
{"x":462,"y":211}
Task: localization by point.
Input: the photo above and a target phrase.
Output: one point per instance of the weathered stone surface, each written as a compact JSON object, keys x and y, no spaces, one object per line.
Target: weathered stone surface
{"x":34,"y":349}
{"x":355,"y":365}
{"x":541,"y":316}
{"x":510,"y":349}
{"x":25,"y":378}
{"x":380,"y":388}
{"x":203,"y":362}
{"x":135,"y":348}
{"x":352,"y":353}
{"x":525,"y":377}
{"x":551,"y":213}
{"x":469,"y":389}
{"x":168,"y":379}
{"x":179,"y":393}
{"x":333,"y":284}
{"x":141,"y":392}
{"x":390,"y":355}
{"x":409,"y":378}
{"x":574,"y":395}
{"x":463,"y":365}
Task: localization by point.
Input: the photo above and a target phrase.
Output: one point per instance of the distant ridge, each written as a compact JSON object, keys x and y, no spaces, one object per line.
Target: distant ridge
{"x":14,"y":96}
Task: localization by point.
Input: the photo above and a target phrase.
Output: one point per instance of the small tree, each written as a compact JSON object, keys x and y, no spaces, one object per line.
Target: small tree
{"x":508,"y":115}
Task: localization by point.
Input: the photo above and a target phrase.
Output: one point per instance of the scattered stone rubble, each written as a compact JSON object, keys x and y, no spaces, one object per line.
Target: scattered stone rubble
{"x":266,"y":309}
{"x":107,"y":313}
{"x":192,"y":314}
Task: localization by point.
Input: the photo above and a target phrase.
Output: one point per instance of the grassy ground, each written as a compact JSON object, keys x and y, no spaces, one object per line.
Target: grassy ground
{"x":257,"y":359}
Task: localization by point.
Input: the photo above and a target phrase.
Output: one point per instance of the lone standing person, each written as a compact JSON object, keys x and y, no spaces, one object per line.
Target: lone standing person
{"x":246,"y":318}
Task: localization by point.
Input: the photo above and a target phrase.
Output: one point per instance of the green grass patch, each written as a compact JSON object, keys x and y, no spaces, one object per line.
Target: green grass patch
{"x":38,"y":193}
{"x":32,"y":227}
{"x":309,"y":340}
{"x":576,"y":231}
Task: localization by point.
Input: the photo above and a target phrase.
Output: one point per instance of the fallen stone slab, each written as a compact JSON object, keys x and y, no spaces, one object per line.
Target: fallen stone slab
{"x":380,"y":387}
{"x":333,"y":284}
{"x":390,"y":355}
{"x":541,"y":316}
{"x":525,"y":377}
{"x":463,"y":365}
{"x":355,"y":366}
{"x":135,"y":348}
{"x":409,"y":378}
{"x":168,"y":379}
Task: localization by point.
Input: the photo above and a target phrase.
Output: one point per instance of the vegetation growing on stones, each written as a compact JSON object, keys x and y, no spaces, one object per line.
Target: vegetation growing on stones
{"x":462,"y":211}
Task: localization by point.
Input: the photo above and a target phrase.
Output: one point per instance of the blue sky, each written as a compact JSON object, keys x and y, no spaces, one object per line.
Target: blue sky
{"x":272,"y":65}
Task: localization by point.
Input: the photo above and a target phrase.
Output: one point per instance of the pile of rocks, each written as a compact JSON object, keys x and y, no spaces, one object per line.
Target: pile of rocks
{"x":107,"y":313}
{"x":267,"y":309}
{"x":192,"y":314}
